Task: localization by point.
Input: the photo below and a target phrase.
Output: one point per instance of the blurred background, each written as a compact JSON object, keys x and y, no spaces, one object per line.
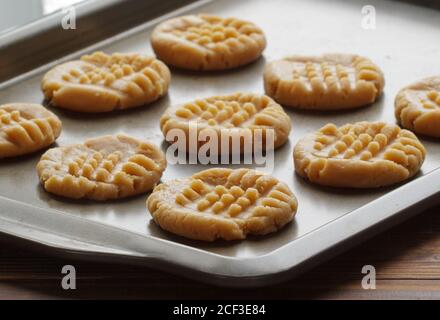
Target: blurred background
{"x":29,"y":27}
{"x":16,"y":13}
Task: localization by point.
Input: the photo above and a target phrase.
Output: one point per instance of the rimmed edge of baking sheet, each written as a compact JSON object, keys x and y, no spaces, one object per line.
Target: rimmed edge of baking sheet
{"x":76,"y":234}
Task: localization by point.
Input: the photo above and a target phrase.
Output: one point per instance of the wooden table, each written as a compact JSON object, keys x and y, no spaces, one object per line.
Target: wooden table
{"x":406,"y":258}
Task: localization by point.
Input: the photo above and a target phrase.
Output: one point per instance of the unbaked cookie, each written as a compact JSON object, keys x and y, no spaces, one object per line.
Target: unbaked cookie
{"x":25,"y":128}
{"x":360,"y":155}
{"x":327,"y":82}
{"x":102,"y":83}
{"x":418,"y":107}
{"x":207,"y":42}
{"x":108,"y":167}
{"x":222,"y":204}
{"x":241,"y":113}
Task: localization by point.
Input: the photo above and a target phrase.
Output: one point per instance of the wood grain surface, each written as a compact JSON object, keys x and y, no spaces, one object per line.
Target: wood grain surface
{"x":406,"y":258}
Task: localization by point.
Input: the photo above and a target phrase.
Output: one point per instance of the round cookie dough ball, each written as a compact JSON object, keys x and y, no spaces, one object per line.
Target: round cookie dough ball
{"x":207,"y":42}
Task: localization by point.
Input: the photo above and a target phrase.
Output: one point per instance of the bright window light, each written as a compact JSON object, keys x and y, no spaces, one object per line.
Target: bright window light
{"x":50,"y":6}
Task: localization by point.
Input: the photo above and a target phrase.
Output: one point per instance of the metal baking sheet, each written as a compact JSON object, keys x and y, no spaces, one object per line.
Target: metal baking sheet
{"x":404,"y":44}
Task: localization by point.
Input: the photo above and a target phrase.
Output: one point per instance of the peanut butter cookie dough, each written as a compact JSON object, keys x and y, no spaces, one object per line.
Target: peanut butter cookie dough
{"x":207,"y":42}
{"x":242,"y":112}
{"x":222,"y":204}
{"x":360,"y":155}
{"x":327,"y":82}
{"x":102,"y":83}
{"x":418,"y":107}
{"x":26,"y":128}
{"x":103,"y":168}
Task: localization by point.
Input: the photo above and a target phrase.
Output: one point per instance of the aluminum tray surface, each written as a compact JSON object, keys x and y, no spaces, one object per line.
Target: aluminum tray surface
{"x":404,"y":44}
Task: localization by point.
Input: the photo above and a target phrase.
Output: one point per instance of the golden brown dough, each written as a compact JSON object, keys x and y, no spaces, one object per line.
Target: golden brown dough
{"x":207,"y":42}
{"x":242,"y":111}
{"x":103,"y":168}
{"x":418,"y":107}
{"x":102,"y":83}
{"x":26,"y":128}
{"x":327,"y":82}
{"x":359,"y":155}
{"x":222,"y":204}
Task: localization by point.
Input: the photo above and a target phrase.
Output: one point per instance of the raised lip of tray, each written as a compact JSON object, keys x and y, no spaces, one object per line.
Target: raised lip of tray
{"x":50,"y":21}
{"x":22,"y":50}
{"x":286,"y":261}
{"x":77,"y":53}
{"x":276,"y":265}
